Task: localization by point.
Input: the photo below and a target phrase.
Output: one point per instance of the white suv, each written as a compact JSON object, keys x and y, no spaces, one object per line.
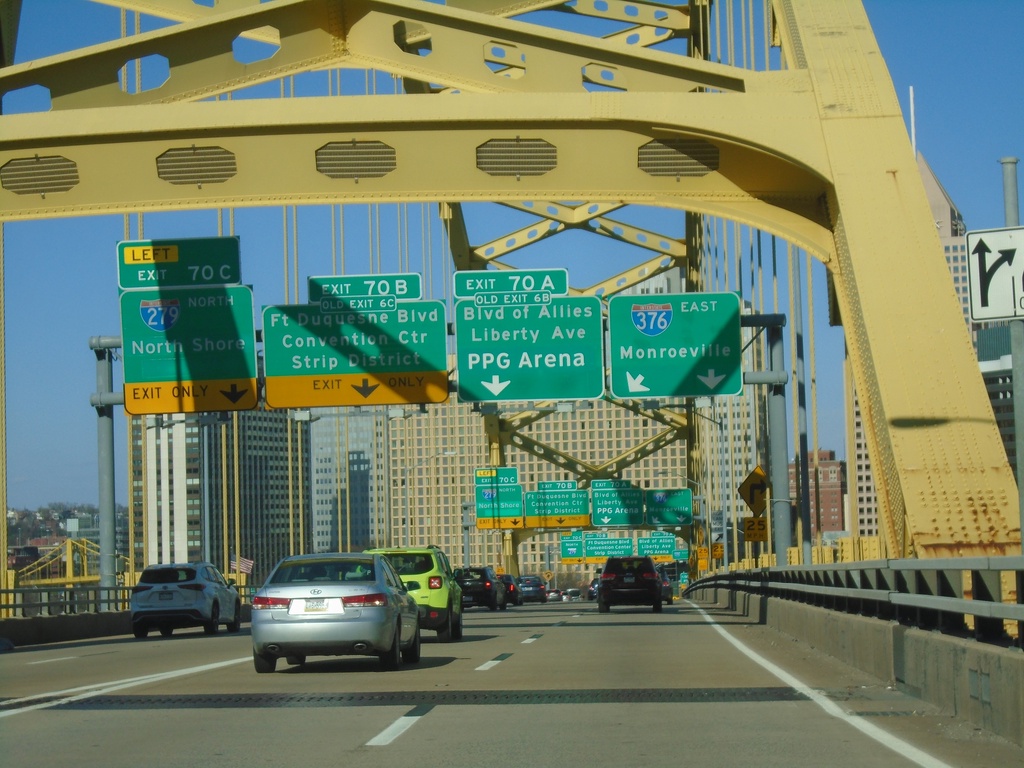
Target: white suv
{"x":177,"y":595}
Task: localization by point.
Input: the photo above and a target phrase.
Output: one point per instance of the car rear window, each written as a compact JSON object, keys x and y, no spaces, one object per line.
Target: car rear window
{"x":628,"y":565}
{"x":410,"y":564}
{"x":167,"y":575}
{"x":323,"y":571}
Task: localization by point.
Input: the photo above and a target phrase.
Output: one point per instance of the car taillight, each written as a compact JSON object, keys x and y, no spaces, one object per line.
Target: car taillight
{"x":607,"y":577}
{"x":262,"y":603}
{"x":487,"y":585}
{"x":649,"y":575}
{"x":434,"y":582}
{"x":140,"y":588}
{"x":376,"y":599}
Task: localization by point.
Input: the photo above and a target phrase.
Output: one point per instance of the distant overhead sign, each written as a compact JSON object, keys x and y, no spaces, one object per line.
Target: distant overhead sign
{"x":994,"y":272}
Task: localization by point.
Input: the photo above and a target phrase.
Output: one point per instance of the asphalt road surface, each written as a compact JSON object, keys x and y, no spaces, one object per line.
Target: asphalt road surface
{"x":534,"y":686}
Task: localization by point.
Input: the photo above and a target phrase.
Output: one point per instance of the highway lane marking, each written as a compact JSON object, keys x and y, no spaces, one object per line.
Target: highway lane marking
{"x":873,"y":732}
{"x":50,"y":661}
{"x":69,"y":695}
{"x":532,"y":638}
{"x":493,"y":662}
{"x":400,"y":726}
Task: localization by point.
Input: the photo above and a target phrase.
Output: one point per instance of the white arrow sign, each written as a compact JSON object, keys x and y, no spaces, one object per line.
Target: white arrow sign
{"x":496,"y":385}
{"x":636,"y":384}
{"x":710,"y":379}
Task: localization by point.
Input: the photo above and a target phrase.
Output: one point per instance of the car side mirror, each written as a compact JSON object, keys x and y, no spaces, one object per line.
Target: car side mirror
{"x":457,"y":574}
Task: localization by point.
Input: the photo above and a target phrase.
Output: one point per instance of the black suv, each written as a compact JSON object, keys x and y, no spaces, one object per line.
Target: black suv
{"x":629,"y":581}
{"x":481,"y":586}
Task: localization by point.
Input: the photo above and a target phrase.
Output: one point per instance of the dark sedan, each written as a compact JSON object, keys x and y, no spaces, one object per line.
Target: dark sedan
{"x":513,"y":595}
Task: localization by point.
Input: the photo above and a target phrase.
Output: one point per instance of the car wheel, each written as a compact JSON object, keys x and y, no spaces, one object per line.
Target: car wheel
{"x":236,"y":623}
{"x":392,"y":658}
{"x":166,"y":631}
{"x":140,"y":631}
{"x":411,"y":655}
{"x":457,"y":626}
{"x":446,"y":633}
{"x":602,"y":607}
{"x":657,"y":605}
{"x":263,"y":663}
{"x":493,"y":604}
{"x":504,"y":604}
{"x":210,"y":627}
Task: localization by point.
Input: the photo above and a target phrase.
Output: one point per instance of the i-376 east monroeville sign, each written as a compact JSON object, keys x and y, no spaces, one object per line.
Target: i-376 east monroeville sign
{"x":675,"y":345}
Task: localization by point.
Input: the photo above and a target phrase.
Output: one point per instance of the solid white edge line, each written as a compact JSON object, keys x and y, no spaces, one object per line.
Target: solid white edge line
{"x":873,"y":732}
{"x":393,"y":731}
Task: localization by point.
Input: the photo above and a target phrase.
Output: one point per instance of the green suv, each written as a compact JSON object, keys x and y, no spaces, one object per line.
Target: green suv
{"x":427,"y":573}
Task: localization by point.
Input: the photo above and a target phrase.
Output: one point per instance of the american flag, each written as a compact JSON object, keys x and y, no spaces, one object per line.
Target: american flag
{"x":241,"y":564}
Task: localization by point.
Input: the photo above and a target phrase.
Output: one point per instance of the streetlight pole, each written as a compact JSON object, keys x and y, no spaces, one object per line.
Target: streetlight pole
{"x":405,"y":484}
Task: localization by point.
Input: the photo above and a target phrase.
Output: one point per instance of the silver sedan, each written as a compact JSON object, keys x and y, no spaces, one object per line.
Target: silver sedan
{"x":338,"y":604}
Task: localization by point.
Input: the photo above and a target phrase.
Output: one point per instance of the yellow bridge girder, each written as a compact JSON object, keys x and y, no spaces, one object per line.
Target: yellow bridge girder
{"x":815,"y":153}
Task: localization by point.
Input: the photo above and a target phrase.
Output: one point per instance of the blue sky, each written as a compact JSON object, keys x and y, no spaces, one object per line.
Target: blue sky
{"x":963,"y":61}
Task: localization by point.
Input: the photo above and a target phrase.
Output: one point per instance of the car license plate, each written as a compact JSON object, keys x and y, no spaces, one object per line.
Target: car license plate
{"x":166,"y":595}
{"x":316,"y":606}
{"x":629,"y":578}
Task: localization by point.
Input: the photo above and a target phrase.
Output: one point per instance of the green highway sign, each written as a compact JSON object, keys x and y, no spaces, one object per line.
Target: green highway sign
{"x":673,"y":506}
{"x":496,"y":475}
{"x":655,"y":545}
{"x":557,"y":509}
{"x":602,"y":548}
{"x":364,"y":292}
{"x":499,"y":498}
{"x":675,"y":345}
{"x":188,"y":350}
{"x":511,"y":286}
{"x":616,"y":503}
{"x":557,"y":485}
{"x":499,"y":506}
{"x":572,"y":550}
{"x":681,"y":554}
{"x":182,"y":262}
{"x":530,"y":352}
{"x":318,"y":358}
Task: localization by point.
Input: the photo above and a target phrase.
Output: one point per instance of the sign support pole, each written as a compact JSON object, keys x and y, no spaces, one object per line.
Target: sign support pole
{"x":101,"y":346}
{"x":1011,"y":215}
{"x":778,"y":450}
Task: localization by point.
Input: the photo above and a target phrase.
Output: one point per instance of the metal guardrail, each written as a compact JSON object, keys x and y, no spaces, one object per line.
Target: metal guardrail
{"x":981,"y":597}
{"x":27,"y":602}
